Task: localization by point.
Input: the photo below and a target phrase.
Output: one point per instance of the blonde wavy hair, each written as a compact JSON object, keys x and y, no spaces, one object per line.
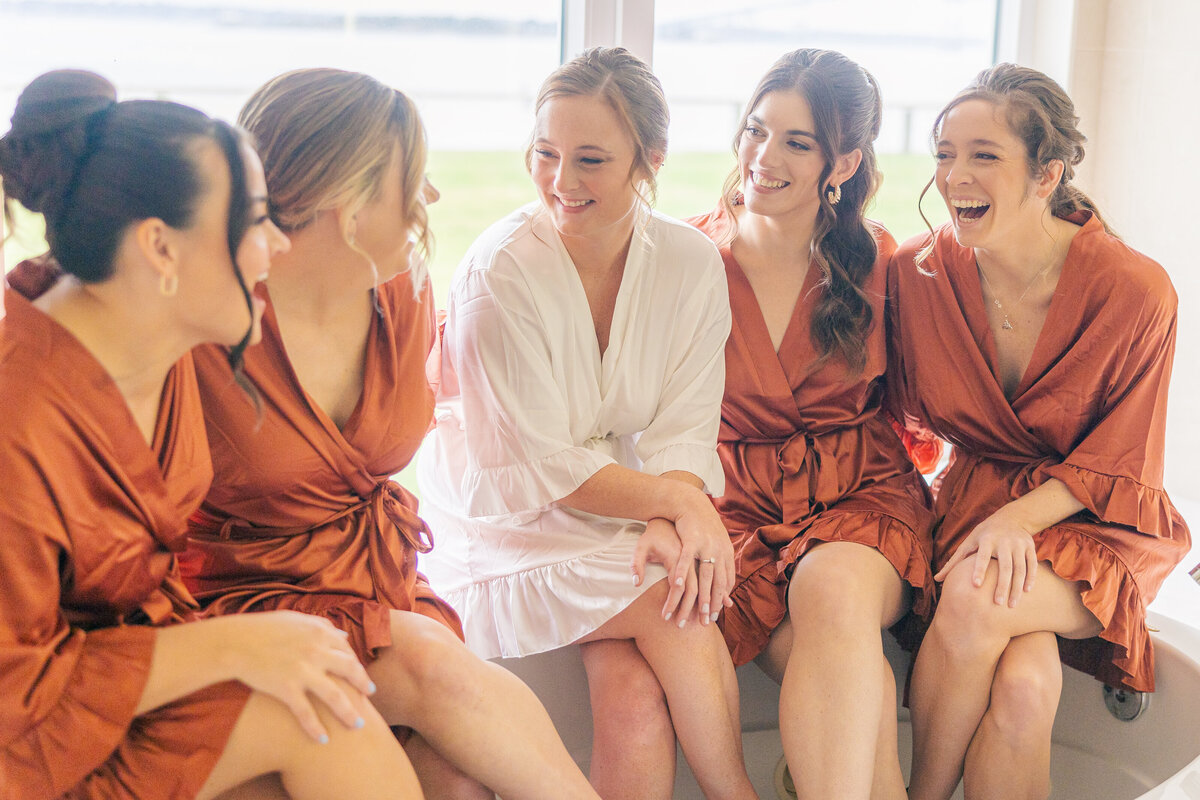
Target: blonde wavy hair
{"x":326,"y":137}
{"x":626,"y":83}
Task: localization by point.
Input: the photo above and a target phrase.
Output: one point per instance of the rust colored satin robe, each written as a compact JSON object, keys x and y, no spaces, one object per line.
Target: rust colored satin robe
{"x":1090,"y":411}
{"x":809,"y":457}
{"x":304,"y":516}
{"x":89,"y":519}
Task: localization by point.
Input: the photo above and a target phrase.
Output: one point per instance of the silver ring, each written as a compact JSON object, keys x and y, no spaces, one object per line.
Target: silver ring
{"x":707,"y":560}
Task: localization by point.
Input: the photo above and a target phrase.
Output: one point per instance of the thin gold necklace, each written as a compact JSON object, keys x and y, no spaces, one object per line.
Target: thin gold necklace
{"x":1006,"y":325}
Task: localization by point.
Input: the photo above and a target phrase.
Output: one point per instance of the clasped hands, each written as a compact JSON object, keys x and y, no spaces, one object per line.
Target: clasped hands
{"x":698,"y":555}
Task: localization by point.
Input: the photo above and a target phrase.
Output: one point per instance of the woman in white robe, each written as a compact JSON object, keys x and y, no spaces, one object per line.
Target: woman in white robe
{"x":581,"y":380}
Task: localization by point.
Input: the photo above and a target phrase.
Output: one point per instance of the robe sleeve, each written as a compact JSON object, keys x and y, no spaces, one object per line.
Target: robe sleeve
{"x":683,"y":434}
{"x":520,"y":455}
{"x":1116,"y":469}
{"x":67,"y":696}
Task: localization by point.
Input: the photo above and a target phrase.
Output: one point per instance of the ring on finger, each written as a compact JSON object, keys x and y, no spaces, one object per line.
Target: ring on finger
{"x":707,"y":560}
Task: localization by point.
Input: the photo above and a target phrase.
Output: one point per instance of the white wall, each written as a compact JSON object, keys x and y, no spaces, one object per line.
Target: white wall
{"x":1135,"y":78}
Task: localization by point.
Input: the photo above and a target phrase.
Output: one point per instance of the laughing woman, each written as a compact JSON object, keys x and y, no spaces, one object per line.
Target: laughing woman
{"x":109,"y":685}
{"x":829,"y":518}
{"x":1040,"y":346}
{"x":581,"y":384}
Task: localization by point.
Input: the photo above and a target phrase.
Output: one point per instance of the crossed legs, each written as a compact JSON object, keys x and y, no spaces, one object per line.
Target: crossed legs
{"x":986,"y":684}
{"x":693,"y":669}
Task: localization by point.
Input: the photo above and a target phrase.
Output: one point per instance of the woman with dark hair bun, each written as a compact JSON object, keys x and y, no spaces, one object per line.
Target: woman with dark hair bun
{"x":829,"y":519}
{"x":111,"y":686}
{"x":1037,"y":343}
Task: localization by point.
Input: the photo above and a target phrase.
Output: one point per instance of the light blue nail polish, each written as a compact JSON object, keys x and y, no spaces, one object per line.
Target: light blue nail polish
{"x":360,"y":723}
{"x":715,"y":615}
{"x":668,"y":616}
{"x":682,"y":622}
{"x":371,"y":688}
{"x":324,"y":739}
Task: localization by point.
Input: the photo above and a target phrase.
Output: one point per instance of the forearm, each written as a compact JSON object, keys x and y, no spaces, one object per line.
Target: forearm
{"x":1046,"y":505}
{"x":617,"y":491}
{"x":187,"y":658}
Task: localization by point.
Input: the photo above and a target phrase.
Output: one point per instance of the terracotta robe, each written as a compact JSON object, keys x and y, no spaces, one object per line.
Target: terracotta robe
{"x":305,"y":516}
{"x":808,"y":455}
{"x":1090,"y":410}
{"x":90,"y":518}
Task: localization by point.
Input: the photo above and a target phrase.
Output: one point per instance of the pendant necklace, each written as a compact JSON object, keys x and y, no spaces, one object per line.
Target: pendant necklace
{"x":1006,"y":325}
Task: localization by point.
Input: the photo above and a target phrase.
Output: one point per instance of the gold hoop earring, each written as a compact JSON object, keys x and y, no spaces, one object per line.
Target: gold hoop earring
{"x":833,"y":194}
{"x":168,"y":285}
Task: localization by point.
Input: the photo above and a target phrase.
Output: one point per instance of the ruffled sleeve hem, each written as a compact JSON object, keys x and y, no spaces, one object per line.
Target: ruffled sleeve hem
{"x":91,"y":718}
{"x":1119,"y":500}
{"x":703,"y":462}
{"x":531,"y":486}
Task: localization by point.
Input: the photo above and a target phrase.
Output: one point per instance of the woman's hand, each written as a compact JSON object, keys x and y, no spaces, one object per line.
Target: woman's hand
{"x":294,"y":658}
{"x":706,"y":548}
{"x":1002,"y":537}
{"x":660,"y":544}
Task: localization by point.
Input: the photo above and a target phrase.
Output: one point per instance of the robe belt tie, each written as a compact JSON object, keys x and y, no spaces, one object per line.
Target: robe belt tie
{"x":809,"y":476}
{"x":389,"y":500}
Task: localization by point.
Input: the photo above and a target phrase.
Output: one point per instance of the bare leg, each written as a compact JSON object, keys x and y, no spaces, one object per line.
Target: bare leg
{"x":440,"y":779}
{"x":889,"y":779}
{"x":264,"y":787}
{"x":478,"y":716}
{"x":364,"y":764}
{"x":952,"y":679}
{"x":1009,"y":758}
{"x":633,"y":746}
{"x":833,"y":700}
{"x":692,"y":664}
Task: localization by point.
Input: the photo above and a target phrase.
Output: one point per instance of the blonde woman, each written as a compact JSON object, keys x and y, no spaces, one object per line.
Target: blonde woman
{"x":303,"y":513}
{"x":581,"y":388}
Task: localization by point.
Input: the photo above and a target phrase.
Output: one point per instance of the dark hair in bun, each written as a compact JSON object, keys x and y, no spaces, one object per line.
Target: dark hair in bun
{"x":93,"y":166}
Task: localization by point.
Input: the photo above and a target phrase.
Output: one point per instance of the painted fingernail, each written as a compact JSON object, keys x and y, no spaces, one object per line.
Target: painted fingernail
{"x":669,"y":615}
{"x":715,"y":615}
{"x":683,"y":622}
{"x":679,"y":581}
{"x":637,"y":580}
{"x":704,"y":609}
{"x":360,"y":723}
{"x":324,"y":739}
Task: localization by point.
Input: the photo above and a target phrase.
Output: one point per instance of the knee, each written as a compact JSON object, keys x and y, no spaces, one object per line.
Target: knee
{"x":430,"y":657}
{"x":967,"y":621}
{"x":1024,"y":700}
{"x":835,"y":599}
{"x":628,"y":698}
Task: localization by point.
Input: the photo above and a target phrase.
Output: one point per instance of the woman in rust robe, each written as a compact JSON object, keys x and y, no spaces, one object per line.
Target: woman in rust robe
{"x":303,"y":513}
{"x":156,"y":215}
{"x":1040,"y":346}
{"x":829,"y":518}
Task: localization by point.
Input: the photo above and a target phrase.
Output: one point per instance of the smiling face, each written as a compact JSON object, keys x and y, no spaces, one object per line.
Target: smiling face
{"x":779,"y":158}
{"x":581,"y":162}
{"x":381,"y":230}
{"x":983,"y":176}
{"x":262,"y":240}
{"x":207,"y":283}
